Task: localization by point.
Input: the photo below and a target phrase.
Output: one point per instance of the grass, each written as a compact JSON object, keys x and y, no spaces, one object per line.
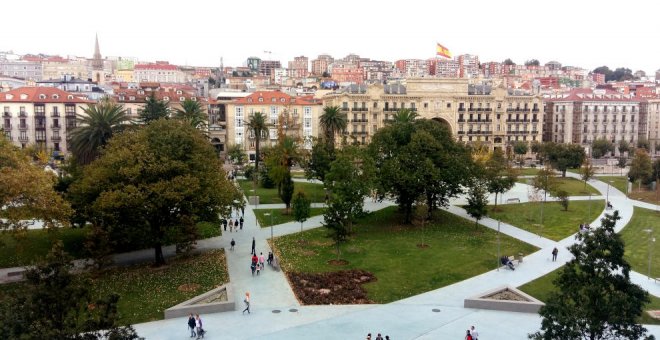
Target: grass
{"x":637,"y":241}
{"x":313,"y":191}
{"x":145,"y":292}
{"x":28,"y":247}
{"x":619,"y":182}
{"x":298,"y":174}
{"x":542,"y":287}
{"x":527,"y":171}
{"x":279,"y":217}
{"x":381,"y":245}
{"x":557,"y":223}
{"x":572,"y":186}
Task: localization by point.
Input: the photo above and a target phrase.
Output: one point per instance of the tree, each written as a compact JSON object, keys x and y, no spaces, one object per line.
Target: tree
{"x":301,"y":208}
{"x":641,"y":167}
{"x":56,"y":304}
{"x":318,"y":162}
{"x":545,"y":180}
{"x":624,"y":147}
{"x":287,"y":191}
{"x":499,"y":175}
{"x":477,"y":202}
{"x":154,"y":109}
{"x":332,"y":121}
{"x":532,"y":62}
{"x":508,"y":61}
{"x":94,"y":129}
{"x":404,"y":116}
{"x":563,"y":156}
{"x":643,"y":143}
{"x":587,"y":172}
{"x":236,"y":154}
{"x":192,"y":112}
{"x":27,"y":192}
{"x":325,"y":74}
{"x":600,"y":147}
{"x":562,"y":196}
{"x":257,"y":126}
{"x":595,"y":298}
{"x":520,"y":148}
{"x":623,"y":161}
{"x":155,"y":183}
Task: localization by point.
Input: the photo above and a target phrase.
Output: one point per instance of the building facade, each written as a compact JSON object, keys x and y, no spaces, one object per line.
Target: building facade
{"x":28,"y":70}
{"x":40,"y":116}
{"x":160,"y":72}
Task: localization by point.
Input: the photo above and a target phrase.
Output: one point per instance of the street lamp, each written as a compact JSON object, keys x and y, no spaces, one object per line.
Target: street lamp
{"x":498,"y":245}
{"x":607,"y":197}
{"x":271,"y":226}
{"x":651,"y":239}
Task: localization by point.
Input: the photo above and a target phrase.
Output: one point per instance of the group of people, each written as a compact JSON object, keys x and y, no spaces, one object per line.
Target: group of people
{"x":234,"y":224}
{"x":378,"y":337}
{"x":195,"y":326}
{"x":507,"y":262}
{"x":472,"y":334}
{"x":584,"y":227}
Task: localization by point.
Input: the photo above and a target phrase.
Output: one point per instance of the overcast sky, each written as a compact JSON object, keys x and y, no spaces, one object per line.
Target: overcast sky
{"x":580,"y":33}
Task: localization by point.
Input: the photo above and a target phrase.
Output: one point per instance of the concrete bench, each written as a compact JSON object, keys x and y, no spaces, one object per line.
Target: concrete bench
{"x":16,"y":273}
{"x":513,"y":200}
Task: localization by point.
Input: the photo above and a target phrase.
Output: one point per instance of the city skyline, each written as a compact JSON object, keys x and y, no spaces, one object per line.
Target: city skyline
{"x":200,"y":34}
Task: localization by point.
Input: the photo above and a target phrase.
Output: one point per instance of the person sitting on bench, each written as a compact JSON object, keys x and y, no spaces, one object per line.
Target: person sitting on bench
{"x":609,"y":205}
{"x":505,"y":261}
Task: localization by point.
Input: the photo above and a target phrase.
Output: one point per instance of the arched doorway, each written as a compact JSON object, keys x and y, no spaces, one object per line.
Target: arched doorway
{"x":443,"y":122}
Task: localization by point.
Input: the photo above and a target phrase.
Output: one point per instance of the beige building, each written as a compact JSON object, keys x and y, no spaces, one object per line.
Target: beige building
{"x":650,"y":107}
{"x":57,"y":68}
{"x":474,"y":113}
{"x":294,"y":116}
{"x":41,"y":116}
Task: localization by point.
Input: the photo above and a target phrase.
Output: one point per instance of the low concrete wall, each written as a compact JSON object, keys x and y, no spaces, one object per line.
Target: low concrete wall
{"x":190,"y":306}
{"x":532,"y":305}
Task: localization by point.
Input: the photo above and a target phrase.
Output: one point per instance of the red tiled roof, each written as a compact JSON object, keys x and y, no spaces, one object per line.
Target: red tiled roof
{"x":40,"y":95}
{"x":155,"y":67}
{"x":124,"y":96}
{"x":275,"y":98}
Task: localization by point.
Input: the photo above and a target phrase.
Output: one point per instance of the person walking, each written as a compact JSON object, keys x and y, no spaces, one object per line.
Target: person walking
{"x":242,"y":211}
{"x":224,"y":223}
{"x":200,"y":329}
{"x":474,"y":333}
{"x":554,"y":254}
{"x":233,"y":243}
{"x":231,"y":226}
{"x":236,"y":224}
{"x":254,"y":263}
{"x":468,"y":336}
{"x":191,"y":324}
{"x":247,"y":302}
{"x":270,"y":258}
{"x":241,"y":222}
{"x":254,"y":243}
{"x":262,"y":260}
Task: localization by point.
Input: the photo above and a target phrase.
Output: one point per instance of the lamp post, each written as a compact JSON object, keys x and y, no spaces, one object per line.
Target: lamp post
{"x":607,"y":196}
{"x":498,"y":245}
{"x":651,"y":239}
{"x":271,"y":226}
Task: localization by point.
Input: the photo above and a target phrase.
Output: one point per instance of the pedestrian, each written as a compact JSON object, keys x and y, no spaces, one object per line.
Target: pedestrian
{"x":474,"y":333}
{"x":241,"y":222}
{"x":468,"y":336}
{"x":262,"y":259}
{"x":242,"y":211}
{"x":224,"y":223}
{"x":247,"y":302}
{"x":236,"y":224}
{"x":270,"y":258}
{"x":200,"y":329}
{"x":254,"y":263}
{"x":379,"y":337}
{"x":554,"y":254}
{"x":191,"y":324}
{"x":233,"y":243}
{"x":387,"y":337}
{"x":254,"y":243}
{"x":258,"y":269}
{"x":231,"y":226}
{"x":369,"y":336}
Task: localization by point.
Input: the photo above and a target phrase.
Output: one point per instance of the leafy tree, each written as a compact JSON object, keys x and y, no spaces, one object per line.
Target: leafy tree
{"x":95,"y":128}
{"x":318,"y":162}
{"x":508,"y":61}
{"x":155,"y":182}
{"x":236,"y":154}
{"x":643,"y":143}
{"x":286,"y":193}
{"x":520,"y":148}
{"x":621,"y":74}
{"x":545,"y":180}
{"x":564,"y":156}
{"x":192,"y":112}
{"x":325,"y":74}
{"x":27,"y":192}
{"x":350,"y":181}
{"x":532,"y":62}
{"x":154,"y":109}
{"x":624,"y":146}
{"x":258,"y":126}
{"x":499,"y":175}
{"x":56,"y":304}
{"x":656,"y":169}
{"x":301,"y":208}
{"x":404,"y":116}
{"x":420,"y":158}
{"x":600,"y":147}
{"x":587,"y":172}
{"x":477,"y":202}
{"x":332,"y":121}
{"x":641,"y":167}
{"x":562,"y":196}
{"x":595,"y":298}
{"x":604,"y":70}
{"x":623,"y":161}
{"x":280,"y":159}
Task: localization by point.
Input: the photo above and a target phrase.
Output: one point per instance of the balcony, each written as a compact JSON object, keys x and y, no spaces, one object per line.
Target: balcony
{"x":535,"y":110}
{"x":6,"y":127}
{"x":23,"y":138}
{"x":359,"y":133}
{"x":39,"y":114}
{"x":40,"y":138}
{"x":40,"y":126}
{"x":56,"y":138}
{"x":22,"y":126}
{"x":360,"y":120}
{"x":7,"y":114}
{"x":359,"y":109}
{"x":70,"y":114}
{"x":54,"y":114}
{"x":22,"y":114}
{"x":55,"y":126}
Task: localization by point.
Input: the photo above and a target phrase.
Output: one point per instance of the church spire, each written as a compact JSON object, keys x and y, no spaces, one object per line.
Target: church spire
{"x":97,"y":62}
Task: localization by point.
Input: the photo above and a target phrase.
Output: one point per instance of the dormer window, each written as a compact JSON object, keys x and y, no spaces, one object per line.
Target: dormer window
{"x":282,"y":100}
{"x":9,"y":96}
{"x":193,"y":99}
{"x":121,"y":98}
{"x":140,"y":91}
{"x":166,"y":98}
{"x":179,"y":92}
{"x":273,"y":100}
{"x":23,"y":96}
{"x":182,"y":99}
{"x":131,"y":98}
{"x":55,"y":96}
{"x":261,"y":99}
{"x":249,"y":100}
{"x":42,"y":96}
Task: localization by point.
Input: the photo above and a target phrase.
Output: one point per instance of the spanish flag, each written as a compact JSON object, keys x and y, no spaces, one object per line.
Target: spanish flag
{"x":442,"y":51}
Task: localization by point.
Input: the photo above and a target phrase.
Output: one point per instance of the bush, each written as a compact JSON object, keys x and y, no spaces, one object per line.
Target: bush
{"x":248,"y":172}
{"x":562,"y":195}
{"x":266,"y":181}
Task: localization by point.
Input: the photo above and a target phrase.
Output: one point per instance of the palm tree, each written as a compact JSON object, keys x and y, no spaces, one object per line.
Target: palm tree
{"x":192,"y":112}
{"x":95,"y":128}
{"x":258,"y":126}
{"x":404,"y":116}
{"x":154,"y":109}
{"x":332,"y":120}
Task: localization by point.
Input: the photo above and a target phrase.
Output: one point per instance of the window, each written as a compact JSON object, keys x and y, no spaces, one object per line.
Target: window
{"x":261,"y":99}
{"x":182,"y":99}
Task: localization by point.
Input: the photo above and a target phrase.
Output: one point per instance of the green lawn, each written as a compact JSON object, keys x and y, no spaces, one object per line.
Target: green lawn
{"x":384,"y":247}
{"x":298,"y":174}
{"x":557,"y":223}
{"x":619,"y":182}
{"x":527,"y":171}
{"x":543,"y":286}
{"x":572,"y":186}
{"x":30,"y":246}
{"x":279,"y":217}
{"x":637,"y":241}
{"x":313,"y":191}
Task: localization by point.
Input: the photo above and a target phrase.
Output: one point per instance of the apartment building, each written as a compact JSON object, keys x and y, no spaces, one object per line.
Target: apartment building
{"x":494,"y":116}
{"x":321,"y":63}
{"x":160,"y":72}
{"x":412,"y":68}
{"x":41,"y":116}
{"x":650,"y":108}
{"x":293,"y":116}
{"x":583,"y":115}
{"x":58,"y":67}
{"x":23,"y":69}
{"x":299,"y":67}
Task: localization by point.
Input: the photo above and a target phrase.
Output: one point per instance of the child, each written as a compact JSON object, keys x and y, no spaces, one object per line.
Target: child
{"x":258,"y":269}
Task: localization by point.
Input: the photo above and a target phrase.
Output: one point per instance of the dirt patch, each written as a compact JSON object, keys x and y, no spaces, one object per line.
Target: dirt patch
{"x":188,"y":287}
{"x":317,"y":243}
{"x":337,"y":262}
{"x":422,"y":245}
{"x":342,"y":287}
{"x":309,"y":252}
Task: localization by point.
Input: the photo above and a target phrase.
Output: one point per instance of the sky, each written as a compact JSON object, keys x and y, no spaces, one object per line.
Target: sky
{"x":578,"y":33}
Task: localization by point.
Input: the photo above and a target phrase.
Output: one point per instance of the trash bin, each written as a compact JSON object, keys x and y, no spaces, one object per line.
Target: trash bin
{"x":520,"y":257}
